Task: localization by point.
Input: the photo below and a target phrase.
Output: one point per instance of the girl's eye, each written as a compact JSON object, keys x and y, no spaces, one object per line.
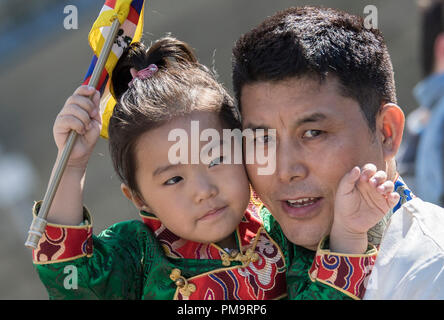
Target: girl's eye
{"x":173,"y":180}
{"x":311,"y":133}
{"x":216,"y":161}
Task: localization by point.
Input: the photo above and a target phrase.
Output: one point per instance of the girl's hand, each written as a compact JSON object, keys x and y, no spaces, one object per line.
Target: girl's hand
{"x":362,"y":200}
{"x":81,"y":114}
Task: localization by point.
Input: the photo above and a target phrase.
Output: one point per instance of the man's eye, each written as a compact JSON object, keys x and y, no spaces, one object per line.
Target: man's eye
{"x":173,"y":180}
{"x":264,"y":139}
{"x":216,"y":161}
{"x":311,"y":133}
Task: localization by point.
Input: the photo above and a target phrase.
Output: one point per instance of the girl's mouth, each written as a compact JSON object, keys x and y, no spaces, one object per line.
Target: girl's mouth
{"x":213,"y":213}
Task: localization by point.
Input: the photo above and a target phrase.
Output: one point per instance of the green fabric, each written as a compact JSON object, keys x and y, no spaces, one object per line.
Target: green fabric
{"x":128,"y":263}
{"x":299,"y":261}
{"x":124,"y":257}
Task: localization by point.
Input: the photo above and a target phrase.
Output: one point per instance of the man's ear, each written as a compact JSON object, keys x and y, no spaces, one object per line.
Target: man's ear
{"x":134,"y":198}
{"x":390,"y":124}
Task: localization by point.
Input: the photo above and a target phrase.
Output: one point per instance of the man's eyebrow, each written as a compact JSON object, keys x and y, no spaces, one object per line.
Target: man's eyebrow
{"x":162,"y":169}
{"x":314,"y":117}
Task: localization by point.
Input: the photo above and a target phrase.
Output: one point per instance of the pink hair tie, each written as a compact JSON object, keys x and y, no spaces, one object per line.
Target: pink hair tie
{"x":144,"y":73}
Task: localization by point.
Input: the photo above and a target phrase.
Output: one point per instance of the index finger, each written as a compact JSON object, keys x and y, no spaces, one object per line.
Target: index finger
{"x":85,"y":91}
{"x":368,"y":170}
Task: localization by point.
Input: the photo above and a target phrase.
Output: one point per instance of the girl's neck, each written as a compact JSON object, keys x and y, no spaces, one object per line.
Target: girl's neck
{"x":229,"y":242}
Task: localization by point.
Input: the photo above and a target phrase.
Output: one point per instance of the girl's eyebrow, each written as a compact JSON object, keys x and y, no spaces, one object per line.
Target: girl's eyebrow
{"x":162,"y":169}
{"x":212,"y":144}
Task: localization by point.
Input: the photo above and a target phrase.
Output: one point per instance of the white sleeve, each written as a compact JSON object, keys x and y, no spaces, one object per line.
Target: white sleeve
{"x":410,"y":262}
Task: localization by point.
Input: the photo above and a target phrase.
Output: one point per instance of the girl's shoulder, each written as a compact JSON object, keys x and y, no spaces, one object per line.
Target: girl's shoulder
{"x":131,"y":232}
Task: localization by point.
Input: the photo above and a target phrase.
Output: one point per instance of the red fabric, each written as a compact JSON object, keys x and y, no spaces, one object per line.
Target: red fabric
{"x":62,"y":242}
{"x":347,"y":273}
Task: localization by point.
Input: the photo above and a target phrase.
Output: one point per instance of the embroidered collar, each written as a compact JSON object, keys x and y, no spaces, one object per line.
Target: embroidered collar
{"x":178,"y":248}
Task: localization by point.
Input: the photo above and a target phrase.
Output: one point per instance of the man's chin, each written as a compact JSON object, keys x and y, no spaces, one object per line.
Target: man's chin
{"x":305,"y":233}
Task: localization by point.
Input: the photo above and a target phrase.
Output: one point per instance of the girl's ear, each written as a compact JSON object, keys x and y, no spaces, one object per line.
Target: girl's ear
{"x":134,"y":198}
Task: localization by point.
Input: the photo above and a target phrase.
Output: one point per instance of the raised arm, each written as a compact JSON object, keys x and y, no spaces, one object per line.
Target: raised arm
{"x":80,"y":113}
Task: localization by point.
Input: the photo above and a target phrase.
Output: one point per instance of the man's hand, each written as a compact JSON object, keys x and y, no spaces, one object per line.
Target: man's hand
{"x":362,"y":200}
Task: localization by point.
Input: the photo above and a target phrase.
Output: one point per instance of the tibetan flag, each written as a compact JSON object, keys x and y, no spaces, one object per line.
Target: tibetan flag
{"x":130,"y":15}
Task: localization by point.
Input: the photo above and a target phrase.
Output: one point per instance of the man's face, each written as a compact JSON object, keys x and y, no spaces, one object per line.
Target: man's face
{"x":320,"y":135}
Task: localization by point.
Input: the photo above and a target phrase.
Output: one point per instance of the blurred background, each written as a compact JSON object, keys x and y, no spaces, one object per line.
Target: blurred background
{"x":41,"y":63}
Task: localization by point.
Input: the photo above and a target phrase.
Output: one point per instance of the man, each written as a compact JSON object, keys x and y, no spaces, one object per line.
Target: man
{"x":325,"y":84}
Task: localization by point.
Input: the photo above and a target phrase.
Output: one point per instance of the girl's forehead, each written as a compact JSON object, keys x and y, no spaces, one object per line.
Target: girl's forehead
{"x":187,"y":134}
{"x":196,"y":121}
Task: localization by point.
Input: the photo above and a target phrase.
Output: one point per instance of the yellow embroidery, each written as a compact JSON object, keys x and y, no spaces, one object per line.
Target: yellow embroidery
{"x":185,"y":288}
{"x":235,"y":255}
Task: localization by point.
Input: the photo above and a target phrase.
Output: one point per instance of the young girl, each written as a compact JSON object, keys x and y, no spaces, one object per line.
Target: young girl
{"x":202,"y":236}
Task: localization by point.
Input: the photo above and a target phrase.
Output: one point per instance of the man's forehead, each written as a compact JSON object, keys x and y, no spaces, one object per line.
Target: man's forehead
{"x":292,"y":86}
{"x":296,"y":99}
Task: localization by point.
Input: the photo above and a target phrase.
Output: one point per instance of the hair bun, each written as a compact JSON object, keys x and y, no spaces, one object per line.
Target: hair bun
{"x":169,"y":49}
{"x":164,"y":53}
{"x":134,"y":56}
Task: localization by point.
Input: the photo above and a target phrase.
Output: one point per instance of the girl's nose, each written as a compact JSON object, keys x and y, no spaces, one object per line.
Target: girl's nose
{"x":204,"y":189}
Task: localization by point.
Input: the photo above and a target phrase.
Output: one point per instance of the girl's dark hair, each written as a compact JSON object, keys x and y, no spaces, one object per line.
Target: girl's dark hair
{"x":180,"y":86}
{"x":318,"y":42}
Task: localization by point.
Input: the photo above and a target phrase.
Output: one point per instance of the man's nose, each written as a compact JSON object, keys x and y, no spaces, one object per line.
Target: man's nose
{"x":204,"y":189}
{"x":290,"y":163}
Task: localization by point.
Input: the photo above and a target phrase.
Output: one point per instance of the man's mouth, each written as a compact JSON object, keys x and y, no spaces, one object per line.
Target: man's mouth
{"x":302,"y":208}
{"x":302,"y":202}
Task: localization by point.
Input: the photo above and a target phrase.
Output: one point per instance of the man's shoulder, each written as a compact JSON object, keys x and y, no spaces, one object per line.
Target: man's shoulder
{"x":411,"y":256}
{"x":425,"y":219}
{"x":413,"y":235}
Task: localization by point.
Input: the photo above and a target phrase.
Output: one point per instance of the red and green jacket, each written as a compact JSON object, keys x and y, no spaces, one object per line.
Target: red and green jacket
{"x":141,"y":259}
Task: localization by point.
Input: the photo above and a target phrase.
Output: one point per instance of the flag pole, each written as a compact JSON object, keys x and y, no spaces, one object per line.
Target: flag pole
{"x":39,"y":222}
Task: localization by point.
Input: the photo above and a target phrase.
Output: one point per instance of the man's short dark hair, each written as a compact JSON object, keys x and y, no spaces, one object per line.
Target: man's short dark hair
{"x":318,"y":42}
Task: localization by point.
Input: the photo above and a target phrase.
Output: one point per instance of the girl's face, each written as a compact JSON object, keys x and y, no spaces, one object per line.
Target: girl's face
{"x":199,"y":202}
